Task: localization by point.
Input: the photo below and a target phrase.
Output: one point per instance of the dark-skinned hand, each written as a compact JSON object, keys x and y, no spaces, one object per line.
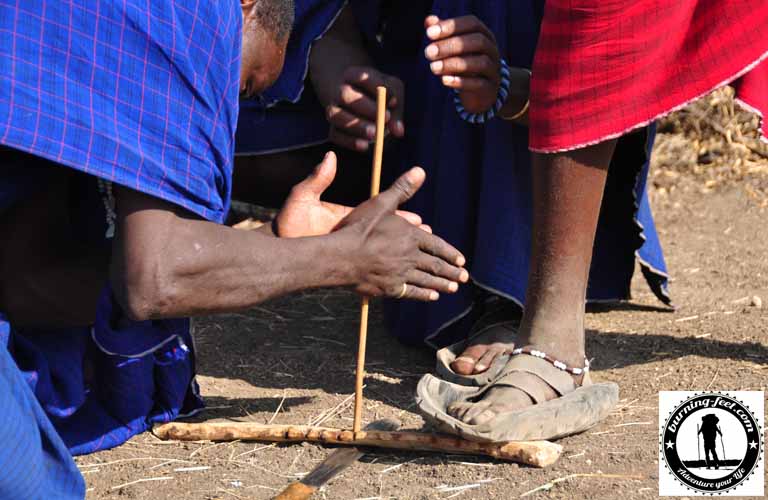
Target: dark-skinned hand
{"x":305,"y":214}
{"x":464,"y":54}
{"x":351,"y":110}
{"x":391,"y":251}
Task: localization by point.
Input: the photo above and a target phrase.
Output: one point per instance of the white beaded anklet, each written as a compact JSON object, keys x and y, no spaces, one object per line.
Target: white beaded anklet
{"x":555,"y":362}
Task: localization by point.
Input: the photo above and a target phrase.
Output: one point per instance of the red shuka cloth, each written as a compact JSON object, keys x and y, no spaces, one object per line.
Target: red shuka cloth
{"x":605,"y":67}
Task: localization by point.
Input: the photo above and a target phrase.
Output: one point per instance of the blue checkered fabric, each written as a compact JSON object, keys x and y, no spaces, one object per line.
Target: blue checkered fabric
{"x":34,"y":462}
{"x":140,"y":92}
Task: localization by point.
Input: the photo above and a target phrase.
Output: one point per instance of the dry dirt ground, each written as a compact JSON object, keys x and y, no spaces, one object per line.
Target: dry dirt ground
{"x":291,"y":361}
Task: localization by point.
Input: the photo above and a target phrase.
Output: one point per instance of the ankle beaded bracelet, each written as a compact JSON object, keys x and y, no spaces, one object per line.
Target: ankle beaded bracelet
{"x":555,"y":362}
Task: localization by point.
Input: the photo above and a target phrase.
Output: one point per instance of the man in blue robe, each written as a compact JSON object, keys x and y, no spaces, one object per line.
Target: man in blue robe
{"x":117,"y":126}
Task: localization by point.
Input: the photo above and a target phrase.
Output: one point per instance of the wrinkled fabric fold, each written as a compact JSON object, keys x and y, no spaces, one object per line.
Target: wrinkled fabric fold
{"x":606,"y":67}
{"x":34,"y":462}
{"x":144,"y":94}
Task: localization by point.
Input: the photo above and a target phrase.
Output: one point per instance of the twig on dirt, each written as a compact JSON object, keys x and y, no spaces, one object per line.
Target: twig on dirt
{"x":261,"y":486}
{"x":626,"y":405}
{"x":670,"y":372}
{"x":393,"y":467}
{"x":206,"y":448}
{"x":270,"y":313}
{"x":472,"y":464}
{"x":397,"y":466}
{"x":717,"y":371}
{"x":143,"y":480}
{"x":192,"y":469}
{"x":548,"y":486}
{"x":170,"y":461}
{"x":577,"y":455}
{"x":326,"y":415}
{"x":222,"y":490}
{"x":330,"y":341}
{"x":458,"y":490}
{"x":703,"y":335}
{"x":296,"y":459}
{"x":254,"y":450}
{"x":633,"y":423}
{"x":102,"y":464}
{"x":687,"y":318}
{"x":279,"y":407}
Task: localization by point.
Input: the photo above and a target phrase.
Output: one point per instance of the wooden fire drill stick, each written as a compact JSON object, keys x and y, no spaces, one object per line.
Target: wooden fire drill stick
{"x":378,"y":152}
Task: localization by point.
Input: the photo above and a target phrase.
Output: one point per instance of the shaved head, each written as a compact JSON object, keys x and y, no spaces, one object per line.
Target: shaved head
{"x":274,"y":16}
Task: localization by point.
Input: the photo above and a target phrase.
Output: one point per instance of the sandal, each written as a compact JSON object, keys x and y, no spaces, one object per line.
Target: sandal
{"x":578,"y":408}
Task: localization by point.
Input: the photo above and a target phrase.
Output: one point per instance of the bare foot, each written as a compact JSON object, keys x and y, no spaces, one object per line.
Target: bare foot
{"x":485,"y":348}
{"x":492,"y":334}
{"x":566,"y":348}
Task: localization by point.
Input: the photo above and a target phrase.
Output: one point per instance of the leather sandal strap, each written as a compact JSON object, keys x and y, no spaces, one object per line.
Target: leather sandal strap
{"x":561,"y":381}
{"x":535,"y":391}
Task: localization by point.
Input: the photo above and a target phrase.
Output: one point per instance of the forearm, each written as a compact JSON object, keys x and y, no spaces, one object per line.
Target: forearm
{"x":168,"y":265}
{"x":519,"y":92}
{"x":340,"y":48}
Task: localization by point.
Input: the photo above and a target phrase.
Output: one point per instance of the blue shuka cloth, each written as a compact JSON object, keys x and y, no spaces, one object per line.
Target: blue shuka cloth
{"x":102,"y":385}
{"x":34,"y":462}
{"x":477,"y":195}
{"x":99,"y":385}
{"x":141,"y":93}
{"x":144,"y":94}
{"x":288,"y":115}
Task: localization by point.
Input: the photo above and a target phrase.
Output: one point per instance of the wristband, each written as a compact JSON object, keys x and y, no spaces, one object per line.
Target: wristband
{"x":478,"y":118}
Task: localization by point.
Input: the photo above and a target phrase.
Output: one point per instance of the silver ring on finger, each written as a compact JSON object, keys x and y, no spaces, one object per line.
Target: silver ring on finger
{"x":403,"y":291}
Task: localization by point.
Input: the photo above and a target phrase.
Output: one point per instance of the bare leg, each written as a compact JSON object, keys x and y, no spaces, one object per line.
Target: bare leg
{"x":567,"y":193}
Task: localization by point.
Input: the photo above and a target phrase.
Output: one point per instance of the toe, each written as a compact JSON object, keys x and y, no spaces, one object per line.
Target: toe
{"x":458,"y":410}
{"x":487,"y":359}
{"x":473,"y":415}
{"x":463,"y":365}
{"x":481,"y":417}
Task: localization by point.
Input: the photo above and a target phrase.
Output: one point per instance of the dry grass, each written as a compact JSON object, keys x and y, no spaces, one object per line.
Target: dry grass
{"x":714,"y":142}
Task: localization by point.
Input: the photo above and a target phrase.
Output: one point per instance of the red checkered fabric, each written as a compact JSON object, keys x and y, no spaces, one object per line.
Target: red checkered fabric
{"x":604,"y":67}
{"x":752,"y":91}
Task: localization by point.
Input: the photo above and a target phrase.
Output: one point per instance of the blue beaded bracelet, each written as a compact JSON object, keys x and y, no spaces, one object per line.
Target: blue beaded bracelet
{"x":500,"y":99}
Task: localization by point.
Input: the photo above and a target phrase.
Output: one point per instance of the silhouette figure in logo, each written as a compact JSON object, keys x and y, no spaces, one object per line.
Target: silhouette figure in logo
{"x":709,"y":431}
